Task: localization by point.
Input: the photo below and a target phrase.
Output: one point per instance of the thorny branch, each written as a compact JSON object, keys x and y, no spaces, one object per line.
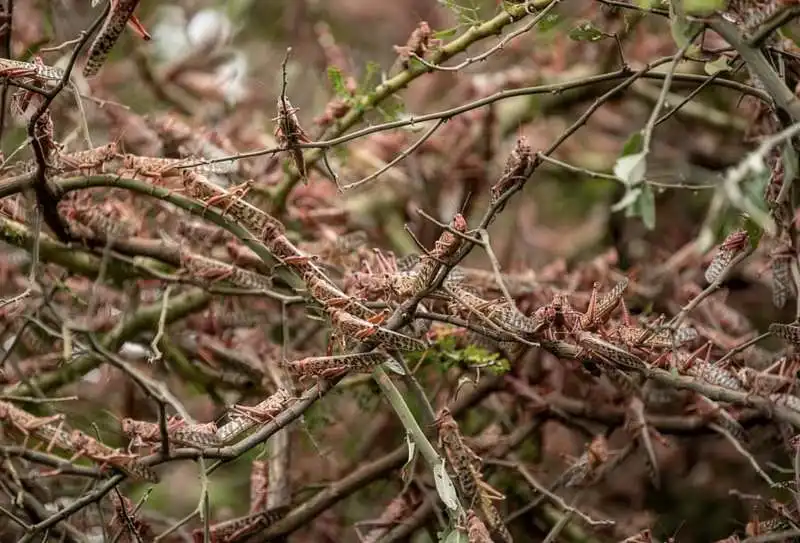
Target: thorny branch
{"x":205,"y":321}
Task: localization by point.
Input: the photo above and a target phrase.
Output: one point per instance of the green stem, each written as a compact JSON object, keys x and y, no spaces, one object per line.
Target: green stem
{"x":413,"y":428}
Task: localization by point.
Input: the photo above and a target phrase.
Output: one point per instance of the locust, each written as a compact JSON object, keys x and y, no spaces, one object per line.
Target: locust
{"x":120,"y":15}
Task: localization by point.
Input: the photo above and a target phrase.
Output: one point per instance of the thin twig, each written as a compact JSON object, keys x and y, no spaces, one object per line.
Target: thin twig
{"x":738,"y":446}
{"x":399,"y":158}
{"x":162,"y":321}
{"x":516,"y":464}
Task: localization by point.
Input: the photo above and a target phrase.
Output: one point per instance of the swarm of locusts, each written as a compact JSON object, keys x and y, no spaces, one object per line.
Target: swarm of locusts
{"x":264,"y":294}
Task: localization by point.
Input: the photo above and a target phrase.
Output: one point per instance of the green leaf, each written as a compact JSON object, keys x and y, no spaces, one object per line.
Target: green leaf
{"x":633,"y":145}
{"x":447,"y":343}
{"x":631,"y":169}
{"x":646,"y":207}
{"x":445,"y":34}
{"x":755,"y":184}
{"x":754,"y":232}
{"x":549,"y":22}
{"x":500,"y":367}
{"x":682,"y":30}
{"x":444,"y":486}
{"x":753,"y":188}
{"x":478,"y":355}
{"x":631,"y":195}
{"x":717,"y":66}
{"x":586,"y":31}
{"x":337,"y":81}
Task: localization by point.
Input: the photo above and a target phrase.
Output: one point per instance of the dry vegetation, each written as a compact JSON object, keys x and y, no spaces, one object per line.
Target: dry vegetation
{"x":399,"y":271}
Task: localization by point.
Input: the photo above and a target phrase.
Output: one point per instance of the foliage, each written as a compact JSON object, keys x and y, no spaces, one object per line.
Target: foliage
{"x":207,"y":286}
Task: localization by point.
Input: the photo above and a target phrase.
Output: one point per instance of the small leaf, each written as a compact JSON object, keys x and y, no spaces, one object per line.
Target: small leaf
{"x":475,"y":355}
{"x":500,"y":367}
{"x":631,"y":168}
{"x":752,"y":203}
{"x":447,"y":343}
{"x":717,"y":66}
{"x":586,"y":31}
{"x":628,"y":200}
{"x":633,"y":144}
{"x":446,"y":33}
{"x":753,"y":188}
{"x":337,"y":81}
{"x":549,"y":22}
{"x":444,"y":486}
{"x":754,"y":232}
{"x":682,"y":30}
{"x":646,"y":207}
